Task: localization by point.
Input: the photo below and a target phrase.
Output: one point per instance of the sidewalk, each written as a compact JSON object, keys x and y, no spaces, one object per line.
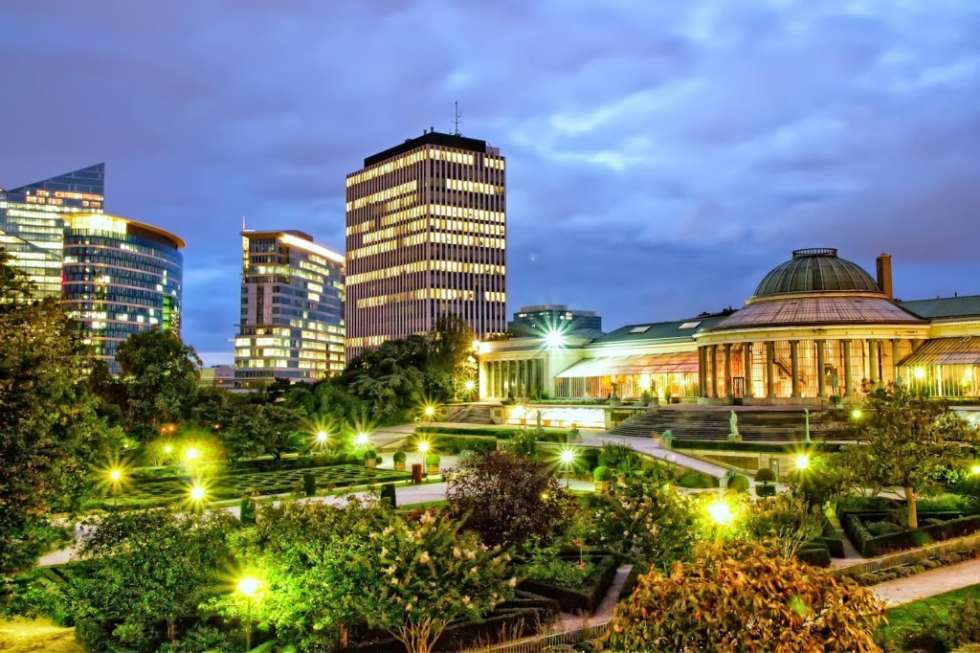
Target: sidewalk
{"x":928,"y":583}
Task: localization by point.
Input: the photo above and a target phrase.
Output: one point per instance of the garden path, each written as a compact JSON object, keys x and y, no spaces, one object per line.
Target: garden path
{"x":652,"y":448}
{"x":603,"y":613}
{"x":928,"y":583}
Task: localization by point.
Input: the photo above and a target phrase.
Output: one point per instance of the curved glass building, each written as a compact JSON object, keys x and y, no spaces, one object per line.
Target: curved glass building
{"x":120,"y":277}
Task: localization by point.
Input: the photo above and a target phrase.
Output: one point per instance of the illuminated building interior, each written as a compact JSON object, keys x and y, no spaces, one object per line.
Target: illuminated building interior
{"x":292,"y":310}
{"x":817,"y":329}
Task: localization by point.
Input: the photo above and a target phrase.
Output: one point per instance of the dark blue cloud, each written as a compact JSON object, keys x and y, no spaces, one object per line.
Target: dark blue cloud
{"x":662,"y":156}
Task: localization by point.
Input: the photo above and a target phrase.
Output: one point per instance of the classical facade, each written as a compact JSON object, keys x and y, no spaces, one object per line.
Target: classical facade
{"x":818,"y":329}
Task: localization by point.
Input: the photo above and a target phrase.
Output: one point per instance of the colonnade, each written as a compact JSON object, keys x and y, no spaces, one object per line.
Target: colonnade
{"x":732,"y":369}
{"x":514,"y":378}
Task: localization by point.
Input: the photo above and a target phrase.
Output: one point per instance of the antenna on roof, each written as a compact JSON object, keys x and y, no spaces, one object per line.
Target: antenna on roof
{"x":456,"y":118}
{"x":244,"y":228}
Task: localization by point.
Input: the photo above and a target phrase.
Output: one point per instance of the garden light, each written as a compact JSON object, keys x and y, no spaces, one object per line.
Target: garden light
{"x":469,"y":385}
{"x":362,"y":439}
{"x":975,"y":469}
{"x":423,"y":447}
{"x":720,"y":512}
{"x":321,"y":437}
{"x":567,"y":457}
{"x":857,"y":414}
{"x":429,"y":410}
{"x":191,"y":454}
{"x":249,"y":586}
{"x":168,"y":448}
{"x":801,"y":462}
{"x":919,"y":373}
{"x":197,"y":493}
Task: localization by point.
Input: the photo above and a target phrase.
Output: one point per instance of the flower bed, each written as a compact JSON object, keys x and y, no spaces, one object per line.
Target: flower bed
{"x":589,"y":594}
{"x":870,"y":545}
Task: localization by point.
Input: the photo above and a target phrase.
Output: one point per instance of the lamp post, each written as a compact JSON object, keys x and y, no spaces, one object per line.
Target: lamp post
{"x":248,"y":587}
{"x":567,"y":458}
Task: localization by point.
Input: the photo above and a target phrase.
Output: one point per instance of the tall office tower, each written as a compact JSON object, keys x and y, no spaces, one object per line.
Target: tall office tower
{"x":292,"y":315}
{"x":426,"y":237}
{"x":120,"y":277}
{"x":32,"y":222}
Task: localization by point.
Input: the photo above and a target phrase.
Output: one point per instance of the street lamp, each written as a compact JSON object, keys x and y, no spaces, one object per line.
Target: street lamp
{"x":423,"y":447}
{"x":321,"y":437}
{"x":566,"y":458}
{"x":362,"y":439}
{"x":720,"y":512}
{"x":191,"y":454}
{"x":801,"y":462}
{"x":857,"y":414}
{"x":975,"y":469}
{"x":197,"y":493}
{"x":554,"y":339}
{"x":470,"y":385}
{"x":248,"y":587}
{"x":429,"y":411}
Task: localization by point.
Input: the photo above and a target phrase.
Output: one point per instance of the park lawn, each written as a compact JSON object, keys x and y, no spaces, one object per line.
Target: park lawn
{"x":905,"y":616}
{"x":36,"y":636}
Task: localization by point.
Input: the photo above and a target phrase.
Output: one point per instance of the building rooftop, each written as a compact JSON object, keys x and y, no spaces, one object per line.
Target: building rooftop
{"x":663,"y":330}
{"x":944,"y":307}
{"x":428,"y":138}
{"x":817,"y":269}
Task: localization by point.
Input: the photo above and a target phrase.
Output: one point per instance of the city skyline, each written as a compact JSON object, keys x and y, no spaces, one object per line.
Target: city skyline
{"x":671,"y":163}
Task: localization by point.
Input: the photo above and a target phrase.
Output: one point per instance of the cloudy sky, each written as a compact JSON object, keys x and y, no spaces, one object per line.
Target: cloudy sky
{"x":662,"y":156}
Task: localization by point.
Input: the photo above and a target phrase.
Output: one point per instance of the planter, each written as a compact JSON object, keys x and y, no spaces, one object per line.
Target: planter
{"x":432,"y":469}
{"x":370,"y":463}
{"x":602,"y":487}
{"x":399,"y":465}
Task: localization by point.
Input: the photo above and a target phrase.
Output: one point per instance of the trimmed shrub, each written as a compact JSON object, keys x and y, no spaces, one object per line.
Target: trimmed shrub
{"x":877,"y":528}
{"x":432,"y":459}
{"x":738,"y":483}
{"x":765,"y":475}
{"x":399,"y":456}
{"x":247,"y":510}
{"x":871,"y":545}
{"x":585,"y":599}
{"x":696,"y":480}
{"x":765,"y":490}
{"x":754,"y":447}
{"x":602,"y":473}
{"x":388,"y":495}
{"x":814,"y":554}
{"x":309,"y":484}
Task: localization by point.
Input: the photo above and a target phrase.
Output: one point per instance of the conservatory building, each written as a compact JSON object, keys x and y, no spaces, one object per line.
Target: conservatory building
{"x":818,"y":328}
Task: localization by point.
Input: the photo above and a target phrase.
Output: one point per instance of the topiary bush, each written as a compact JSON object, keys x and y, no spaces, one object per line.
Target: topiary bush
{"x":883,"y":528}
{"x":765,"y":475}
{"x":738,"y":483}
{"x":399,"y":456}
{"x":696,"y":480}
{"x":771,"y":603}
{"x":602,"y":474}
{"x":309,"y":484}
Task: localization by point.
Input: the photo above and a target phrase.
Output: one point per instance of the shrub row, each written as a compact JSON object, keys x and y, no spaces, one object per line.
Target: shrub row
{"x":501,"y":433}
{"x":584,"y":600}
{"x":871,"y":545}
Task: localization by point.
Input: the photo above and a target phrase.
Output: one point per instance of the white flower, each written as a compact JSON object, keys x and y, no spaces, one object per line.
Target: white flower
{"x":456,"y":552}
{"x":513,"y":581}
{"x":424,"y":558}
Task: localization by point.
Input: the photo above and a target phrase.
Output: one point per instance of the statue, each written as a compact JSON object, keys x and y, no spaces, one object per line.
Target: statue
{"x":806,"y":422}
{"x":733,"y":435}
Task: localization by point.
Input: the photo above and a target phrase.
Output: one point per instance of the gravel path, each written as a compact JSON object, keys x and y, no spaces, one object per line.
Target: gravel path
{"x":928,"y":583}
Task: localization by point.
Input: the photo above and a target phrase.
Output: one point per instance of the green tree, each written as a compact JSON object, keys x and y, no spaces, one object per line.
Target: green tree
{"x":148,"y":573}
{"x":306,"y":554}
{"x":906,"y":442}
{"x":416,"y":577}
{"x":50,"y":434}
{"x":645,"y":518}
{"x":161,"y":379}
{"x":746,"y":600}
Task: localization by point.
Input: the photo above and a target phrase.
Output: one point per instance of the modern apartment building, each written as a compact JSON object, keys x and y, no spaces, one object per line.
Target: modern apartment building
{"x":292,"y":310}
{"x":426,"y":237}
{"x":115,"y":276}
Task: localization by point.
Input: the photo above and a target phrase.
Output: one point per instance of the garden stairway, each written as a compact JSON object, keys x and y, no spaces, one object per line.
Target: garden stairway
{"x":468,"y":413}
{"x":713,"y":424}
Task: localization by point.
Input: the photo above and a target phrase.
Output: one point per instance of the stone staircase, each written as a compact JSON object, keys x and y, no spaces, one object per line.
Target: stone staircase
{"x":468,"y":414}
{"x":753,"y":425}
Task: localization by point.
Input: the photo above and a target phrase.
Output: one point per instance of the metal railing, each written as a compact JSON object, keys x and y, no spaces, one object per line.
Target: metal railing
{"x":538,"y":643}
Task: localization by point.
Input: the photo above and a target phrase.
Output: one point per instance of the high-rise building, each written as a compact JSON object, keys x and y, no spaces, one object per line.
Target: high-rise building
{"x":115,"y":276}
{"x":32,"y":222}
{"x":292,"y":310}
{"x":426,"y":237}
{"x":120,"y":277}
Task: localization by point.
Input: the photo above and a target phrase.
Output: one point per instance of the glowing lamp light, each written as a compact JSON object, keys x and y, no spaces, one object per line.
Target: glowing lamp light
{"x":801,"y":462}
{"x":115,"y":475}
{"x":567,"y":456}
{"x":321,"y":437}
{"x":975,"y":469}
{"x":191,"y":454}
{"x":423,"y":447}
{"x":362,"y":439}
{"x":919,"y":373}
{"x":554,"y":339}
{"x":249,"y":586}
{"x":168,"y":449}
{"x":720,"y":512}
{"x":429,"y":411}
{"x":469,"y":385}
{"x":857,"y":413}
{"x":197,"y":493}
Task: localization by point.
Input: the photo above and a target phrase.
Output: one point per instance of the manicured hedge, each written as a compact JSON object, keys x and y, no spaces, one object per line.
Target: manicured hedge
{"x":584,"y":600}
{"x":450,"y":444}
{"x":814,"y":554}
{"x":871,"y":546}
{"x":753,"y":447}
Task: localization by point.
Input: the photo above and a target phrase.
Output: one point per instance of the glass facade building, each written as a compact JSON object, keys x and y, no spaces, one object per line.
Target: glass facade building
{"x":120,"y":277}
{"x":115,"y":276}
{"x":426,"y":238}
{"x":32,"y":222}
{"x":292,"y":310}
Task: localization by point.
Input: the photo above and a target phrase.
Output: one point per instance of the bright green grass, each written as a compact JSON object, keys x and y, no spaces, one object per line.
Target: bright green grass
{"x":907,"y":616}
{"x":36,"y":636}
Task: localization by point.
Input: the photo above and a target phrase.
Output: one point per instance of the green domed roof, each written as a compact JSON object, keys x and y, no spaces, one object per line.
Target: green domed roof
{"x":816,"y":270}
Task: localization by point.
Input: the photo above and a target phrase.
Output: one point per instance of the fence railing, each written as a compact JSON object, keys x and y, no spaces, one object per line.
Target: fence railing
{"x":537,"y":643}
